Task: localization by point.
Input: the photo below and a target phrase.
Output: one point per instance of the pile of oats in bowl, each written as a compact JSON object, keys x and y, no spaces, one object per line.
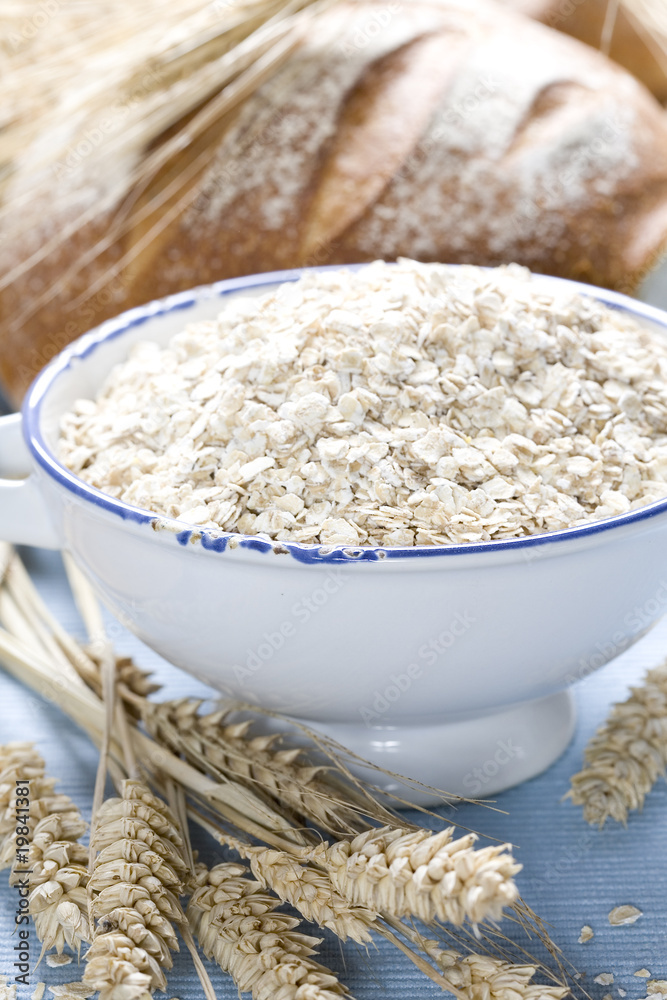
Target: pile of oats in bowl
{"x":409,"y":404}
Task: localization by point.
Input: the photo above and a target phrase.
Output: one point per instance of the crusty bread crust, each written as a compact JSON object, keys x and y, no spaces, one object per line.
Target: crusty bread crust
{"x":445,"y":130}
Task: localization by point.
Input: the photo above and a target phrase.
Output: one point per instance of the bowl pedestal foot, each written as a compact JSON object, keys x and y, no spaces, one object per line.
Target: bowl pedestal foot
{"x":474,"y":757}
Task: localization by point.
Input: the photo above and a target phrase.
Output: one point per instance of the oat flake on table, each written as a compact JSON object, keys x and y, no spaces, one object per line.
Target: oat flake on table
{"x":622,"y":915}
{"x":54,"y":961}
{"x":416,"y":404}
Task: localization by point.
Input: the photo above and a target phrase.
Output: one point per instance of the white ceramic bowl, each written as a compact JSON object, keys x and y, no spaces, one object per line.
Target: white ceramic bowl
{"x":449,"y":663}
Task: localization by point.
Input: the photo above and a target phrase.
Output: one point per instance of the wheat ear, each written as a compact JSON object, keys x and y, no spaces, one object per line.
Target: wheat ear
{"x":481,"y":977}
{"x":310,"y":891}
{"x":57,"y":863}
{"x":221,"y":748}
{"x":234,"y":920}
{"x":427,"y":876}
{"x":18,"y":762}
{"x":627,"y":755}
{"x":134,"y":892}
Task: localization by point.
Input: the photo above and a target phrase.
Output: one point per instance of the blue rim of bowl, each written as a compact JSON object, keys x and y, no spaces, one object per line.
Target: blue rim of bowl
{"x":219,"y":541}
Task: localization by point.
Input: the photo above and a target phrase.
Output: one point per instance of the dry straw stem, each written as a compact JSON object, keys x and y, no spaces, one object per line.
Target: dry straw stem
{"x":330,"y":796}
{"x":627,"y":755}
{"x":650,"y":18}
{"x":25,"y":615}
{"x":236,"y":924}
{"x":230,"y":801}
{"x":71,"y":991}
{"x":56,"y":860}
{"x":135,"y":884}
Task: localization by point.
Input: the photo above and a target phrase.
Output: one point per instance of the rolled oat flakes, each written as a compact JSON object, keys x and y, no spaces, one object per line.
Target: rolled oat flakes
{"x":415,"y":404}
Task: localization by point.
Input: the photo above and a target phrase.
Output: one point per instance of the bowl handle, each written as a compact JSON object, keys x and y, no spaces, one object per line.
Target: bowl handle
{"x":24,"y":514}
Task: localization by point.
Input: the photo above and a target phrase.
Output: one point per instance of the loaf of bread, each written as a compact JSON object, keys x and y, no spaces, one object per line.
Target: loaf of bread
{"x":630,"y":44}
{"x":443,"y":130}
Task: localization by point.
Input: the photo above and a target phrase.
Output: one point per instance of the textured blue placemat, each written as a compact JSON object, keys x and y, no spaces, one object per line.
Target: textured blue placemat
{"x":572,"y":874}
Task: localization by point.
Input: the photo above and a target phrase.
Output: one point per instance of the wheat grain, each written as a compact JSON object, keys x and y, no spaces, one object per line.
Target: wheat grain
{"x":134,"y":895}
{"x":234,"y":919}
{"x":428,"y":876}
{"x":627,"y":755}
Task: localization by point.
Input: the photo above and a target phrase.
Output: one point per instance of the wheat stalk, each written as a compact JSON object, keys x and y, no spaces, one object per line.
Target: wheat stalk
{"x":391,"y":872}
{"x":160,"y":72}
{"x":134,"y":896}
{"x":300,"y":871}
{"x":235,"y":922}
{"x":650,"y":19}
{"x":627,"y":755}
{"x":56,"y":861}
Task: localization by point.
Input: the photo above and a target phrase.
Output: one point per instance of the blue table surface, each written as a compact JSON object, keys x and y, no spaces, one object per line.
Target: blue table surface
{"x":572,"y":875}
